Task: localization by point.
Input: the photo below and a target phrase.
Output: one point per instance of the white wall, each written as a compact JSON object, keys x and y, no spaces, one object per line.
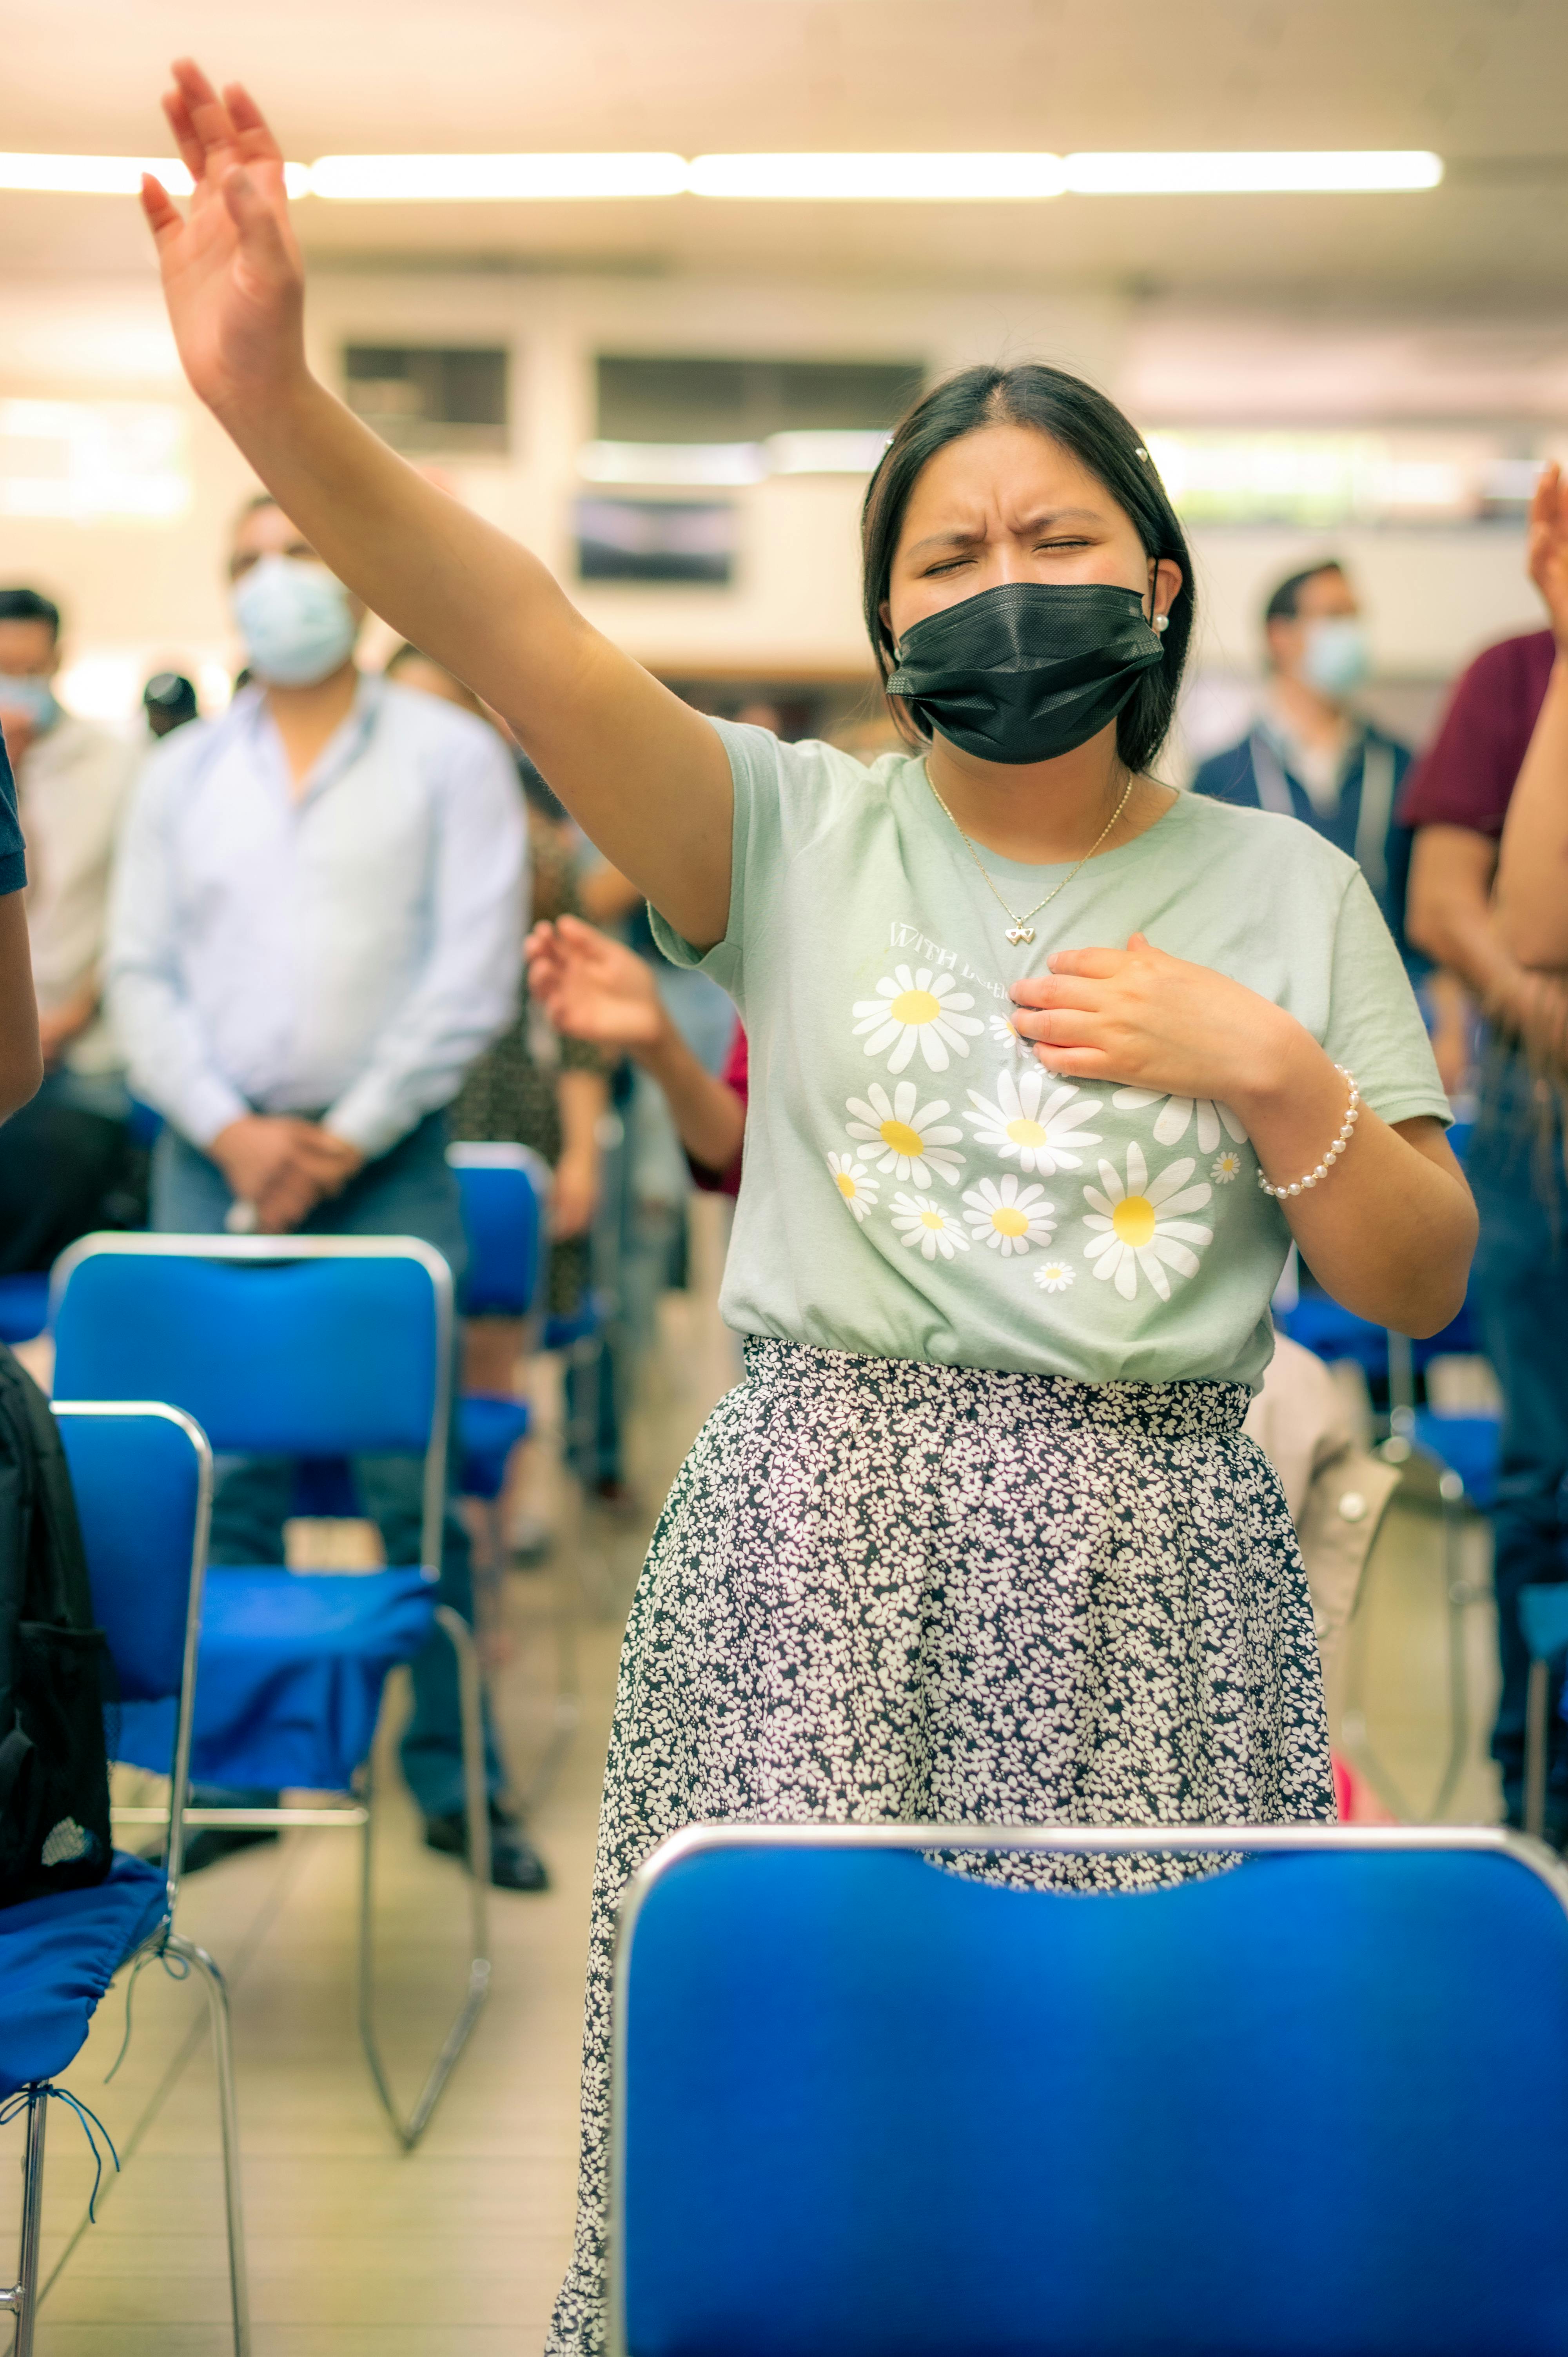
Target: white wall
{"x":141,"y":594}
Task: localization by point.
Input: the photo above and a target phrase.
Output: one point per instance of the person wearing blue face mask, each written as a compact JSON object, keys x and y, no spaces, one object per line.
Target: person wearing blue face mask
{"x":64,"y":1161}
{"x":1309,"y":754}
{"x":316,"y":929}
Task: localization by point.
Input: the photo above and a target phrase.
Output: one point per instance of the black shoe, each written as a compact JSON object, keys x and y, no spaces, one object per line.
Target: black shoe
{"x":210,"y":1843}
{"x":515,"y":1864}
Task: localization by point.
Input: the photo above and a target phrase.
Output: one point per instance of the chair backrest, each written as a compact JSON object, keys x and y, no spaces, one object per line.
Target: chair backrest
{"x":142,"y":1475}
{"x":1318,"y":2104}
{"x":504,"y":1190}
{"x":290,"y":1346}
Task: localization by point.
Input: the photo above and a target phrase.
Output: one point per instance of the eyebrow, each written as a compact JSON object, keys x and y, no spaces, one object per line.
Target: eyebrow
{"x":1034,"y":523}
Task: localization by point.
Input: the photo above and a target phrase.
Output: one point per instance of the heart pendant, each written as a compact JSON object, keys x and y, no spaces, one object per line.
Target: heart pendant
{"x":1016,"y":934}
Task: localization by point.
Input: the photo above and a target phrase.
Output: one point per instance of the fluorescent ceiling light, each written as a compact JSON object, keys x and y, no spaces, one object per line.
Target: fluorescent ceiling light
{"x":114,"y":176}
{"x":909,"y":178}
{"x":824,"y":452}
{"x":480,"y":179}
{"x":1248,"y":173}
{"x":671,"y":462}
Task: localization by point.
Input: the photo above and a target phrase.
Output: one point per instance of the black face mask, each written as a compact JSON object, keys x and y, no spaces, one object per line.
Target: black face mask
{"x":1029,"y":671}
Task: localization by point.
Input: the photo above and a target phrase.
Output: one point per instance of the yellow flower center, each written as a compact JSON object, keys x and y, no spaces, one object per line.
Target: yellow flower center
{"x":916,"y":1006}
{"x":1133,"y":1219}
{"x":932,"y":1220}
{"x":845,"y":1184}
{"x":1009,"y":1220}
{"x":1025,"y":1133}
{"x":903,"y":1139}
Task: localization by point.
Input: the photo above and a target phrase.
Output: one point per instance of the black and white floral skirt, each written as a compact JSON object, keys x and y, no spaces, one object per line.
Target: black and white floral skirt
{"x":882,"y":1589}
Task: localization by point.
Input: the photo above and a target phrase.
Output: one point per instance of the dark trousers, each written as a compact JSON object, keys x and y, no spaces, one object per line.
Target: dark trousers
{"x":1520,"y":1290}
{"x":409,"y":1191}
{"x":61,"y":1159}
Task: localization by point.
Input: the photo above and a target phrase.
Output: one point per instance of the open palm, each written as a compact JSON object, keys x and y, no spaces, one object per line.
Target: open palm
{"x":591,"y":988}
{"x":231,"y":271}
{"x":1549,"y":547}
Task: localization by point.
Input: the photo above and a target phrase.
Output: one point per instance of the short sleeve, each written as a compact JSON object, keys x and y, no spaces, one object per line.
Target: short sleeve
{"x":1466,"y":774}
{"x":13,"y":860}
{"x":1375,"y":1028}
{"x":757,"y":760}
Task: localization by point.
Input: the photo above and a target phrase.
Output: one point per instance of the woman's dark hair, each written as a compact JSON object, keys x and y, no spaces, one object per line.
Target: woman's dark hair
{"x":1094,"y":430}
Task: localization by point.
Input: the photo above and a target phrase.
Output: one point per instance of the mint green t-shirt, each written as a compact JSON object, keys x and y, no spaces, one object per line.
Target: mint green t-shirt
{"x":916,"y":1186}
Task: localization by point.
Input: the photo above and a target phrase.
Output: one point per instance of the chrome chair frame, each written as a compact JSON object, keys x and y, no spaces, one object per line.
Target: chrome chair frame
{"x":1071,"y":1841}
{"x":23,"y":2299}
{"x":359,"y":1812}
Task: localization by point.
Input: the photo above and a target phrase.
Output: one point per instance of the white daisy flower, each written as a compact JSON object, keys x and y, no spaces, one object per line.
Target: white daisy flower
{"x":1137,"y":1226}
{"x":1039,"y":1135}
{"x":1224,"y":1167}
{"x":921,"y":1008}
{"x":924,"y":1225}
{"x":1172,"y":1126}
{"x":910,"y":1137}
{"x":1054,"y":1276}
{"x":855,"y":1183}
{"x":1007,"y":1217}
{"x":1002,"y":1031}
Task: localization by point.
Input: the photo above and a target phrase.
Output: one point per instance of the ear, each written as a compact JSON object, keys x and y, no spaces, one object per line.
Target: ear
{"x":1165,"y":585}
{"x":885,"y":616}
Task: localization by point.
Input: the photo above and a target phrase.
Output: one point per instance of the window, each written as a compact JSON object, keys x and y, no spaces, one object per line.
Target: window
{"x":431,"y":398}
{"x":667,"y":399}
{"x":656,"y":540}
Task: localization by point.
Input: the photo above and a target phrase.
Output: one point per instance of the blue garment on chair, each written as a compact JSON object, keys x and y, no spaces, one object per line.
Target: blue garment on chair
{"x":490,"y":1427}
{"x":57,"y":1958}
{"x":292,"y":1669}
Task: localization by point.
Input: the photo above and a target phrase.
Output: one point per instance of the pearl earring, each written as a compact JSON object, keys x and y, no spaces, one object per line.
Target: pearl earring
{"x":1162,"y":622}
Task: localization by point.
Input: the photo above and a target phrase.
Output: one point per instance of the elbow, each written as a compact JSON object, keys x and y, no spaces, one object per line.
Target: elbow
{"x":21,"y":1076}
{"x":1438,"y":1298}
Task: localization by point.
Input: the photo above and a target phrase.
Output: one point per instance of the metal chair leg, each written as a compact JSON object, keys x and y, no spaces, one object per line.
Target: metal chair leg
{"x":477,"y":1817}
{"x":23,"y":2299}
{"x":1536,"y":1708}
{"x":229,"y":2118}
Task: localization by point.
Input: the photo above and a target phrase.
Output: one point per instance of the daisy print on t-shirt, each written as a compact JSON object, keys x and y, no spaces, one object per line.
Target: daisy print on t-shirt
{"x":1025,"y":1126}
{"x":917,"y":1007}
{"x":904,"y":1137}
{"x":1137,"y":1227}
{"x":1177,"y":1115}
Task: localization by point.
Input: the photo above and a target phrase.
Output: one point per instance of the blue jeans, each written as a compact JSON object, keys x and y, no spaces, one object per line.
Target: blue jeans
{"x":410,"y":1191}
{"x":1520,"y":1291}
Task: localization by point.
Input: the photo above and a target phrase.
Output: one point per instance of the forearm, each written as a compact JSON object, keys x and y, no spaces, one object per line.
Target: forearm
{"x":1389,"y":1229}
{"x":21,"y":1062}
{"x":1530,"y":895}
{"x":644,"y":775}
{"x":707,"y":1114}
{"x":583,"y":1098}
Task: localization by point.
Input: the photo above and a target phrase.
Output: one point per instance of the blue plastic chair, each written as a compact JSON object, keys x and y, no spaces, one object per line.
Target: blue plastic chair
{"x":865,"y":2105}
{"x":303,"y":1347}
{"x":504,"y":1189}
{"x":143,"y":1478}
{"x":24,"y":1306}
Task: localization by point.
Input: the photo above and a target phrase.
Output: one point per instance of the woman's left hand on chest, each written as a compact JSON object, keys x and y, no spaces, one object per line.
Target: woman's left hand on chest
{"x":1146,"y":1019}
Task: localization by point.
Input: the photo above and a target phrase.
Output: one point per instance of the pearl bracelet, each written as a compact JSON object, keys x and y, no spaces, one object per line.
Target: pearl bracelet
{"x":1352,"y":1115}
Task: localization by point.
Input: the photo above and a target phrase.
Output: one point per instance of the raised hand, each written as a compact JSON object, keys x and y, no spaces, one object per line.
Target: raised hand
{"x":593,"y":988}
{"x":231,"y":272}
{"x":1548,"y":549}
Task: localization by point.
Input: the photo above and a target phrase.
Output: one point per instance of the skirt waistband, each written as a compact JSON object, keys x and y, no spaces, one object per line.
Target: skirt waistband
{"x":849,"y":1377}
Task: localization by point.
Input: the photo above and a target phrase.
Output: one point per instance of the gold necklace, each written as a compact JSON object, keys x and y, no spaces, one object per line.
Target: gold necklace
{"x":1021,"y":931}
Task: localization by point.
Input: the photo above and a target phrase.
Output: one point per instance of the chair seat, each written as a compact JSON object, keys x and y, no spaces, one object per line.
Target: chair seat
{"x":1321,"y":1325}
{"x":489,"y":1425}
{"x":57,"y":1958}
{"x":290,"y":1676}
{"x":1543,"y":1617}
{"x":1471,"y":1445}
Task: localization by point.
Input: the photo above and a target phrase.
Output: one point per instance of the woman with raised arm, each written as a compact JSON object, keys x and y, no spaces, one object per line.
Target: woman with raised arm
{"x":1048,"y":1066}
{"x":1530,"y":895}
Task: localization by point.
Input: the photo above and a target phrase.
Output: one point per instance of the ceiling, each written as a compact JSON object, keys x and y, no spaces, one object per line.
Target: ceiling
{"x":1479,"y":81}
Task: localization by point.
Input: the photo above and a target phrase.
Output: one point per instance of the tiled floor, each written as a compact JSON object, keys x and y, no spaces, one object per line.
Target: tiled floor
{"x":357,"y":2250}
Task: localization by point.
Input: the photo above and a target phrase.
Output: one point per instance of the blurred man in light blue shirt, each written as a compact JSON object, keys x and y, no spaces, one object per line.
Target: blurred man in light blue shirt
{"x":316,"y":928}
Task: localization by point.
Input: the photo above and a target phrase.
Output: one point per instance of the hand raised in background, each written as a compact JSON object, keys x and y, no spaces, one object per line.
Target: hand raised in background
{"x":231,"y":271}
{"x":593,"y":988}
{"x":1548,"y":549}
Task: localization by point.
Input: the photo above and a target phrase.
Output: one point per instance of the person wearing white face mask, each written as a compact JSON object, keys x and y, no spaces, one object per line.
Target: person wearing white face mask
{"x":1309,"y":754}
{"x":316,"y":929}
